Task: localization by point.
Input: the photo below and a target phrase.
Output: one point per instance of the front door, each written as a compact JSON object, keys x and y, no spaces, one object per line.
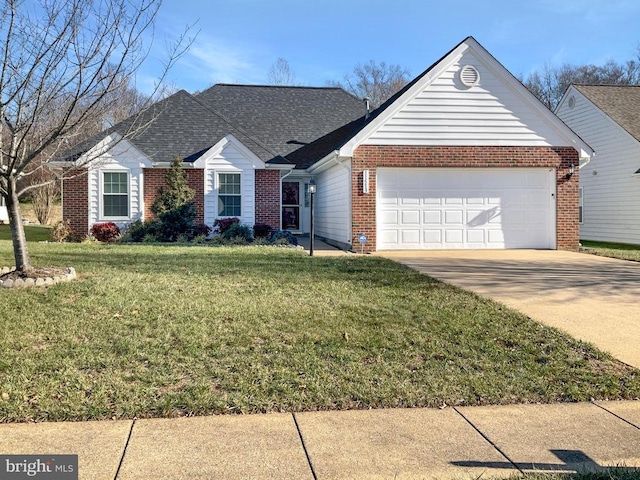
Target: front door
{"x":291,"y":206}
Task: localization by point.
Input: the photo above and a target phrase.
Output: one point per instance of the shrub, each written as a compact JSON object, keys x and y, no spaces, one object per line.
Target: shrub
{"x":262,"y":230}
{"x":238,"y":230}
{"x":279,"y":237}
{"x":175,"y":222}
{"x":105,"y":232}
{"x":137,"y":230}
{"x":61,"y":232}
{"x":223,"y":224}
{"x":177,"y":193}
{"x":202,"y":230}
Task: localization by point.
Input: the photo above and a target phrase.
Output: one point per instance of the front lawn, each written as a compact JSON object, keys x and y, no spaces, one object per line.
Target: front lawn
{"x":34,"y":233}
{"x":159,"y":331}
{"x":623,"y":251}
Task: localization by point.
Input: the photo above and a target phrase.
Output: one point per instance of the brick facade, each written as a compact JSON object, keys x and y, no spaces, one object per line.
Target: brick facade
{"x":75,"y":203}
{"x":154,"y":178}
{"x":368,"y":157}
{"x":268,"y":197}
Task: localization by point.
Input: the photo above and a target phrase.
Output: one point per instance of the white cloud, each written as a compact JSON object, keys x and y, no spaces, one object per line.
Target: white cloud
{"x":215,"y":60}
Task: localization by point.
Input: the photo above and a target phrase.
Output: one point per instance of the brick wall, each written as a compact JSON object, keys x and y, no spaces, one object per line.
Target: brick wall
{"x":268,"y":197}
{"x":75,"y":201}
{"x":154,"y":178}
{"x":368,"y":157}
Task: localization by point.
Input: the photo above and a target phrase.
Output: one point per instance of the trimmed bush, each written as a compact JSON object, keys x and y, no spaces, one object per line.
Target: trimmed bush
{"x":105,"y":232}
{"x":176,"y":222}
{"x":238,"y":231}
{"x":262,"y":230}
{"x":224,"y":224}
{"x":201,"y":230}
{"x":137,"y":230}
{"x":282,"y":236}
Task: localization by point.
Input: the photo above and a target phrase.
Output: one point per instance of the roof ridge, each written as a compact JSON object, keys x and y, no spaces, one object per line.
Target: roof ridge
{"x":226,"y":120}
{"x":249,"y":85}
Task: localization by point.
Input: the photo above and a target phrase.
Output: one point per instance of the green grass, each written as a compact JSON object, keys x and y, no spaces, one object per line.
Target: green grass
{"x":623,"y":251}
{"x":34,"y":233}
{"x":161,"y":331}
{"x":612,"y":473}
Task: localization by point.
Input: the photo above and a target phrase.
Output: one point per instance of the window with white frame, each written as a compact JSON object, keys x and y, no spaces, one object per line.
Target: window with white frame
{"x":229,"y":195}
{"x":115,"y":194}
{"x":580,"y":205}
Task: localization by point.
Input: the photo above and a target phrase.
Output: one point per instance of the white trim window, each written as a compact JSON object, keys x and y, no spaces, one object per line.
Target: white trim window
{"x":115,"y":194}
{"x":229,"y":194}
{"x":580,"y":205}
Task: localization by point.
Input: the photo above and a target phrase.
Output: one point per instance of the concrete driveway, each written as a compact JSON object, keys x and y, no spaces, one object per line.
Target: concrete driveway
{"x":595,"y":299}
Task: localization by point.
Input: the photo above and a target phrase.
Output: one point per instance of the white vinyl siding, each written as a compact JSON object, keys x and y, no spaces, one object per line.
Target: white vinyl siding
{"x":129,"y":161}
{"x":458,"y":208}
{"x":611,"y":190}
{"x":332,"y":203}
{"x":447,"y":113}
{"x":229,"y":160}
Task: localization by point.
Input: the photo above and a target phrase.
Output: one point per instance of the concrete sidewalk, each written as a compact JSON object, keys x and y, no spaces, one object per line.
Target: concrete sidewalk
{"x":461,"y":443}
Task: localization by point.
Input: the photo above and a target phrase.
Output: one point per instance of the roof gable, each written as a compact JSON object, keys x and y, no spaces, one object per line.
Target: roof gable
{"x":229,"y":141}
{"x":619,"y":102}
{"x":436,"y":108}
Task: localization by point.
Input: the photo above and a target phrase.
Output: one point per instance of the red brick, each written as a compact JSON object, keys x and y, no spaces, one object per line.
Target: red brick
{"x":369,"y":157}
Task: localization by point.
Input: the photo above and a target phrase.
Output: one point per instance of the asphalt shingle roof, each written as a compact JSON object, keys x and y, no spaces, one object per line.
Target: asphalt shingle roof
{"x":285,"y":119}
{"x":620,"y":102}
{"x":272,"y":122}
{"x":179,"y":125}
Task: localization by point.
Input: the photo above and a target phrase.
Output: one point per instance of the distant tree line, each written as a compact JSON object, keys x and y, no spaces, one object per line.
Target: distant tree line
{"x":550,"y":83}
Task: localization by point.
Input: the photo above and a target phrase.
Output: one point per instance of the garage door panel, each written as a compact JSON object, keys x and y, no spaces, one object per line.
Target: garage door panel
{"x":411,"y":237}
{"x":389,"y":217}
{"x":476,"y":236}
{"x":466,"y":208}
{"x":453,"y":217}
{"x":411,"y":217}
{"x":432,"y":237}
{"x":432,"y":217}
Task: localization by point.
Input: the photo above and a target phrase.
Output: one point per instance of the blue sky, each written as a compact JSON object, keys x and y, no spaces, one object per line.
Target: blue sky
{"x":322,"y":40}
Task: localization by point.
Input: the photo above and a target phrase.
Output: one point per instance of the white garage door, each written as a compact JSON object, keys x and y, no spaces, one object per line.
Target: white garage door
{"x":448,"y":208}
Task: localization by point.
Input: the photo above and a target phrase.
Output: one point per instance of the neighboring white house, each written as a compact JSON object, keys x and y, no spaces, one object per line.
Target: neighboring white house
{"x":4,"y":215}
{"x":607,"y":117}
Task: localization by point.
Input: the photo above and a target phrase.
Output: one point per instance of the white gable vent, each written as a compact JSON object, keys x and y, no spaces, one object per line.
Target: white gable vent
{"x":469,"y":76}
{"x":572,"y":101}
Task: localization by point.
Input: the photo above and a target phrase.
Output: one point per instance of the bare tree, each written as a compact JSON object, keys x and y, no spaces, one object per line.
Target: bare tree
{"x":61,"y":62}
{"x":379,"y":82}
{"x":280,"y":73}
{"x":550,"y":83}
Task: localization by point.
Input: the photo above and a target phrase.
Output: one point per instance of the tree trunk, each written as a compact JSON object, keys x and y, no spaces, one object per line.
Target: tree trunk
{"x":20,"y":251}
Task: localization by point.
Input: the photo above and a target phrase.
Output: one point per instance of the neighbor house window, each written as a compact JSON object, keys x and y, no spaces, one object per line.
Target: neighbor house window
{"x":580,"y":206}
{"x":229,"y":195}
{"x":115,"y":198}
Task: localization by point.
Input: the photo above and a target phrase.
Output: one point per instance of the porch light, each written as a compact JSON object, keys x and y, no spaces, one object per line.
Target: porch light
{"x":312,"y":191}
{"x":571,"y":171}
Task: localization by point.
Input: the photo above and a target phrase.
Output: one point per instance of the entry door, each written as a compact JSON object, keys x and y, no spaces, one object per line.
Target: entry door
{"x":291,"y":206}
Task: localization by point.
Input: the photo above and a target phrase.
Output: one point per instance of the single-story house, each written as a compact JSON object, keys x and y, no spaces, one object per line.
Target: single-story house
{"x":464,"y":156}
{"x":607,"y":117}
